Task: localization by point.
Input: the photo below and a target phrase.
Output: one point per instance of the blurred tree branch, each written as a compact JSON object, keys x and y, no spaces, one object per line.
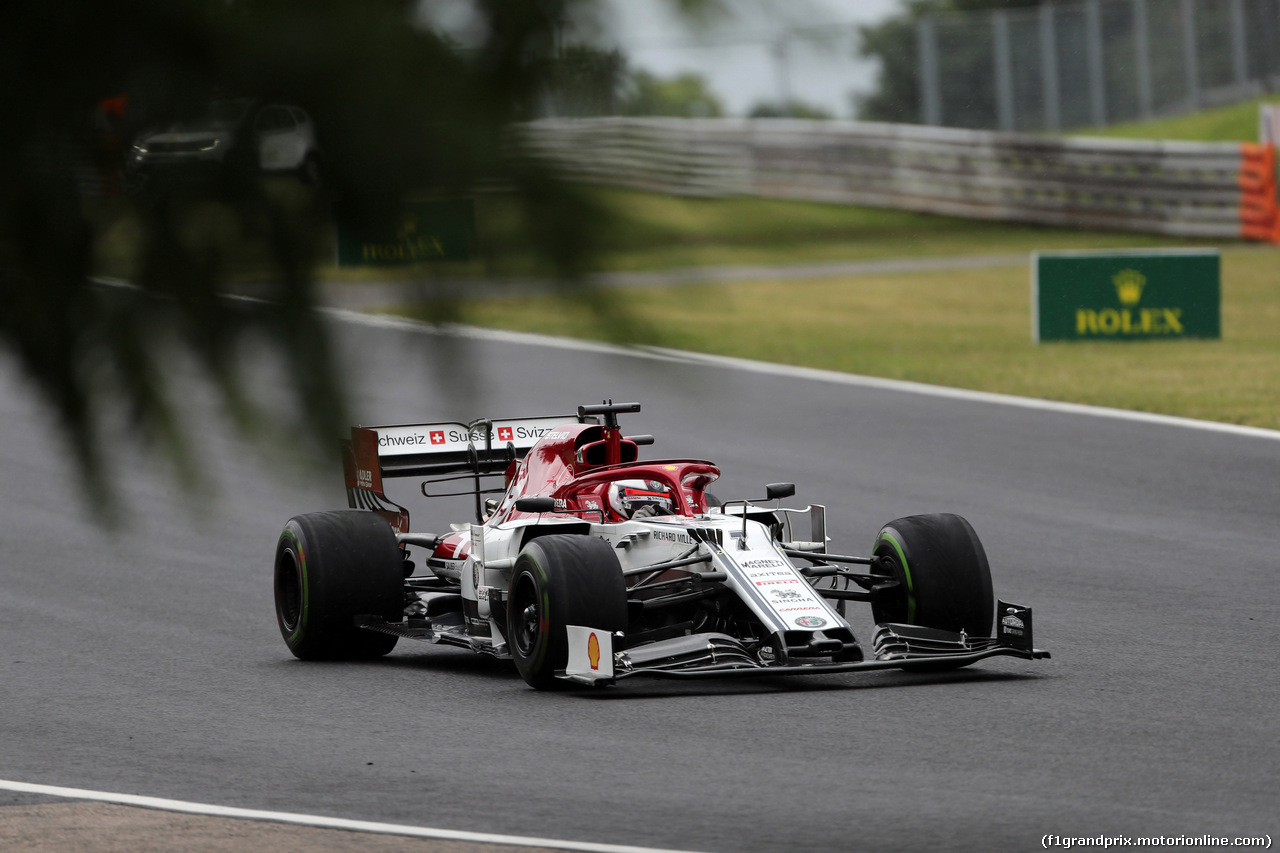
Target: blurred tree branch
{"x":400,"y":109}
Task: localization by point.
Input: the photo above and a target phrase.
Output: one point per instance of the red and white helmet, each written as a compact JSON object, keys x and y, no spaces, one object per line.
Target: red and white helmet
{"x":627,"y":497}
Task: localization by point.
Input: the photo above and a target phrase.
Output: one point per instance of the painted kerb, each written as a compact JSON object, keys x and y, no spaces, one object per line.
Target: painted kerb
{"x":1126,"y":296}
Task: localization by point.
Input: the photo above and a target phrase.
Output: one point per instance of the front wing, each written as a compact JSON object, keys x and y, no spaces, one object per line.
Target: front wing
{"x":593,"y":659}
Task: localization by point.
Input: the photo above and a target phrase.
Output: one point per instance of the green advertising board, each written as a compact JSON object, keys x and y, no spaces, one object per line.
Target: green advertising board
{"x":1153,"y":294}
{"x":435,"y":230}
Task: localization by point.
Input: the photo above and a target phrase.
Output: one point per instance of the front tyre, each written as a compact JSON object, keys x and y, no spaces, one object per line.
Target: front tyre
{"x":331,"y":567}
{"x":941,"y":572}
{"x":561,"y":580}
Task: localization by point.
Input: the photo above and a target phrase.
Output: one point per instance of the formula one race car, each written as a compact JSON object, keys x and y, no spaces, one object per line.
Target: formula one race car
{"x":593,"y":566}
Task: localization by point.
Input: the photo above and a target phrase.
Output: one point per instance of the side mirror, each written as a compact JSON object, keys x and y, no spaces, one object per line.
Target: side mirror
{"x":535,"y":504}
{"x":777,"y":491}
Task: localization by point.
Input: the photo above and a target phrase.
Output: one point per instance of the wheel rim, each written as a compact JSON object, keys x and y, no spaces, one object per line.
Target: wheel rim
{"x":528,"y":616}
{"x":289,"y":590}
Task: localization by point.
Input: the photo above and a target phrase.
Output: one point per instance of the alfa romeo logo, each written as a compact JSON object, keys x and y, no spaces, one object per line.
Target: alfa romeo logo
{"x":810,"y":621}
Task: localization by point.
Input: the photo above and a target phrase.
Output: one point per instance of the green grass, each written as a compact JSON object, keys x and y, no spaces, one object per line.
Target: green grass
{"x":643,"y":231}
{"x":1231,"y":123}
{"x":966,"y":329}
{"x":666,"y":232}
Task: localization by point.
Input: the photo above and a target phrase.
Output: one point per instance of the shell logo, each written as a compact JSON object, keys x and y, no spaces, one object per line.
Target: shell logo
{"x":593,"y":650}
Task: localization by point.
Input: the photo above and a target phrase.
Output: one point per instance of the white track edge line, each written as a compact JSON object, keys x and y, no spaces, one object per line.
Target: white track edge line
{"x":808,"y":373}
{"x":319,"y":821}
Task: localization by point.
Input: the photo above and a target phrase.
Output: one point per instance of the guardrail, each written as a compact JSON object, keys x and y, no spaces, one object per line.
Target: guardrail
{"x":1214,"y":190}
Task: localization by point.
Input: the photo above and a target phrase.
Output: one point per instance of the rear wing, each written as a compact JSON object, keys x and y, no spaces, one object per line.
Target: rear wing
{"x":443,"y":452}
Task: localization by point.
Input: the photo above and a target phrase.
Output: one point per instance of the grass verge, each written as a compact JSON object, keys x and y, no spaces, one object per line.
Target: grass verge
{"x":665,"y":232}
{"x":965,"y":329}
{"x":635,"y":232}
{"x":1230,"y":123}
{"x":645,"y":231}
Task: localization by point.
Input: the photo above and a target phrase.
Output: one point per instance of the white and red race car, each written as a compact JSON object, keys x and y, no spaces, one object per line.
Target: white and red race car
{"x":594,"y":566}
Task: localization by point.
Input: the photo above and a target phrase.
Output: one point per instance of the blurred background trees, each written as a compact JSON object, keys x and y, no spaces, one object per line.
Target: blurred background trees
{"x":583,"y":81}
{"x":794,"y":108}
{"x":893,"y":42}
{"x":685,"y":96}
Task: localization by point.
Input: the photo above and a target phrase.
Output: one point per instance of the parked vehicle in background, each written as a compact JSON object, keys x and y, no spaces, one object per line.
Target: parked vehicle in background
{"x":239,"y":133}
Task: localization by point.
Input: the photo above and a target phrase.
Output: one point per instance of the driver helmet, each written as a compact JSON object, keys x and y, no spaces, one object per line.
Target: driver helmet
{"x":640,"y":498}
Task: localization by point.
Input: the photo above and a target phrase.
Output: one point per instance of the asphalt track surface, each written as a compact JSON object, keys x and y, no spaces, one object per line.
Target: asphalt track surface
{"x":149,"y":662}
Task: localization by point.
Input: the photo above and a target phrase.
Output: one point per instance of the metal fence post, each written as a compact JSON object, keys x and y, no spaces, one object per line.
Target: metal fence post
{"x":1049,"y":69}
{"x":782,"y":66}
{"x":1003,"y":69}
{"x":1142,"y":52}
{"x":930,"y":96}
{"x":1191,"y":52}
{"x":1269,"y":70}
{"x":1130,"y":66}
{"x":1239,"y":47}
{"x":1097,"y":72}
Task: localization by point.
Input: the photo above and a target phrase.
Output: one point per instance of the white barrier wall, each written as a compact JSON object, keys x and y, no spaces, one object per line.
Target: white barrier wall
{"x":1175,"y":188}
{"x":1269,"y":124}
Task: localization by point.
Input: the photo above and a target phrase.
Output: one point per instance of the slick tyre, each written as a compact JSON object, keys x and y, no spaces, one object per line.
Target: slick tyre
{"x":942,"y":576}
{"x":561,"y":580}
{"x":331,"y":567}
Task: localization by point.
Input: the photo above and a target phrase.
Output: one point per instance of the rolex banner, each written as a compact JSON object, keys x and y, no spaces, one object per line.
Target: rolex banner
{"x":425,"y":231}
{"x":1140,"y":295}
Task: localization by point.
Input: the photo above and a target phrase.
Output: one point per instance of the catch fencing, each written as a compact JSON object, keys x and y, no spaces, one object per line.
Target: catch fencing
{"x":1093,"y":62}
{"x":1208,"y":190}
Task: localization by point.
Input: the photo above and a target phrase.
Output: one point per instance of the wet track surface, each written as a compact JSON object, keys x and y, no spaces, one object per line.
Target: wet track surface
{"x":150,"y":663}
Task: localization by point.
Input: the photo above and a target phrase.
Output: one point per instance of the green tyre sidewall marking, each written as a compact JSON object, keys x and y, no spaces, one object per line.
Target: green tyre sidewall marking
{"x":906,"y":570}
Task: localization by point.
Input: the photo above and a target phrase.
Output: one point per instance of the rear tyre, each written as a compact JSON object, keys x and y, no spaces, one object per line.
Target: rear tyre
{"x":331,"y":567}
{"x":561,"y":580}
{"x":943,"y":578}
